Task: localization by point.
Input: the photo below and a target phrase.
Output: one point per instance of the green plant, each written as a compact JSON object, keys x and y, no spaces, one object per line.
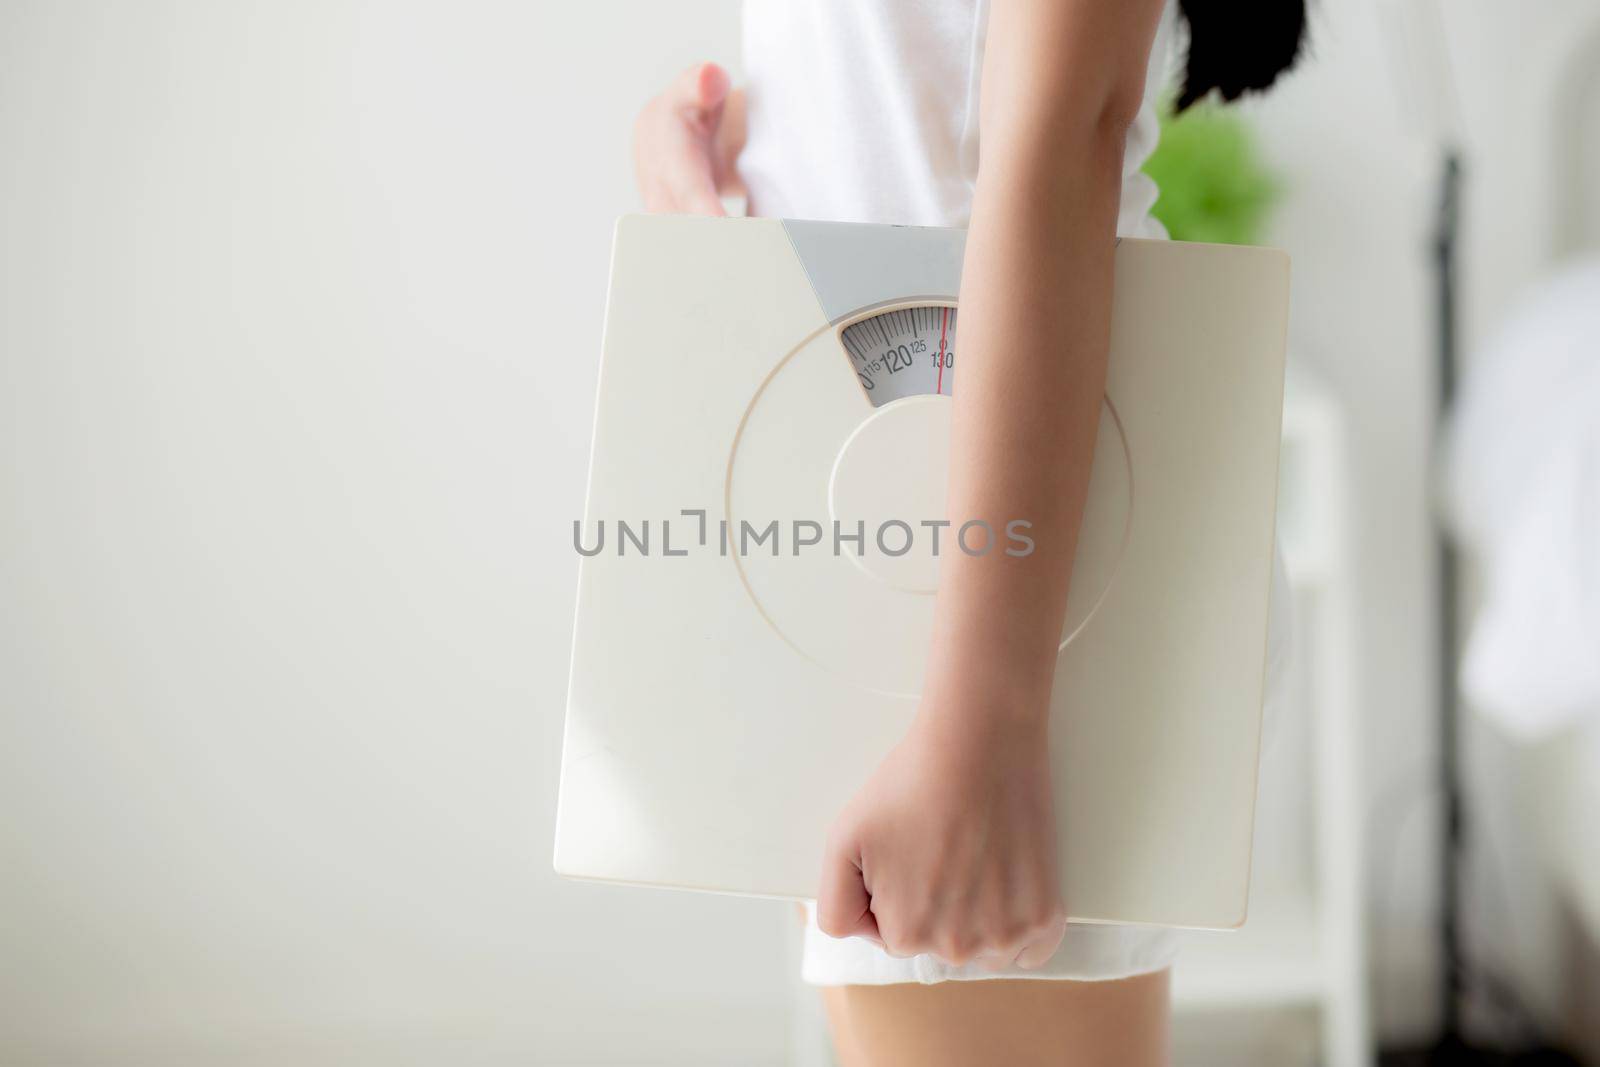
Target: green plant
{"x":1214,"y":186}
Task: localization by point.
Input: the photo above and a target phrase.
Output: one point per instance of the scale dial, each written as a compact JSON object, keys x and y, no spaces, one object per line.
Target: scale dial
{"x":906,"y":351}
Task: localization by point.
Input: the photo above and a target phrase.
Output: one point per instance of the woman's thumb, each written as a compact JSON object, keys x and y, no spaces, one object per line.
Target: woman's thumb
{"x":844,"y":908}
{"x":704,"y":86}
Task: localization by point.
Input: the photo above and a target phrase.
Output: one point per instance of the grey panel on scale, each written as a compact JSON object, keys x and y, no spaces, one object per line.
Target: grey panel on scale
{"x":851,"y":266}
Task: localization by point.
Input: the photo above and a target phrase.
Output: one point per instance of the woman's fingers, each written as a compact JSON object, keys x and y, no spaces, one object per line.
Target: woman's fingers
{"x":691,"y":183}
{"x":675,"y":143}
{"x":844,"y":908}
{"x":728,"y":143}
{"x":1038,"y":951}
{"x":676,"y":176}
{"x":703,"y":90}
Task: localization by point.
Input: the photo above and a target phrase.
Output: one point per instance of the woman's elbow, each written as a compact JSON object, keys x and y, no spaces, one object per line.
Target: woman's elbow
{"x":1119,"y":108}
{"x":1080,"y":123}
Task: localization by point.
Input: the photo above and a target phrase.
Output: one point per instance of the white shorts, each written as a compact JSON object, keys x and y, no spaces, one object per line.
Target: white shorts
{"x":1090,"y":952}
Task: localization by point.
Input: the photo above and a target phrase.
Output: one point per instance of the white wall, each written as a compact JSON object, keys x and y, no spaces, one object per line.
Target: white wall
{"x":299,"y":309}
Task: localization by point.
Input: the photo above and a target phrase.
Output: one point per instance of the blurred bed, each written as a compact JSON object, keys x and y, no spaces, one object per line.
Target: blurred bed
{"x":1523,"y":488}
{"x":1523,"y":482}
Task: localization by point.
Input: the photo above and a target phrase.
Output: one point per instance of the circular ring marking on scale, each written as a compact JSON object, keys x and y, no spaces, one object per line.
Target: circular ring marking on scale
{"x":810,"y":442}
{"x":890,"y":478}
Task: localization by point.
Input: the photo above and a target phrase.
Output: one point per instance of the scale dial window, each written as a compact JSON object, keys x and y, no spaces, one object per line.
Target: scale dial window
{"x":906,"y":351}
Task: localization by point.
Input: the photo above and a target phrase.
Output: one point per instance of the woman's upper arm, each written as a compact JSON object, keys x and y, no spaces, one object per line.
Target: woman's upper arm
{"x":1056,"y":69}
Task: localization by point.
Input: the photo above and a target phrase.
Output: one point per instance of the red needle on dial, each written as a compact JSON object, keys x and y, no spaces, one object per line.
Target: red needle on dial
{"x":944,"y":322}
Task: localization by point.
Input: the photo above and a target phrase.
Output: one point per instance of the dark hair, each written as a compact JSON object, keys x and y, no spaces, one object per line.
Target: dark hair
{"x":1236,"y":46}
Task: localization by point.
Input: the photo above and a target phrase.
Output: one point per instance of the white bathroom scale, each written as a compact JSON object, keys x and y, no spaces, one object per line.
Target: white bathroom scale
{"x":741,"y":663}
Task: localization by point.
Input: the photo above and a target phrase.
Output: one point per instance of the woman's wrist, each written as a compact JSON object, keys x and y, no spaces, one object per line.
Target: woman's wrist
{"x":979,"y":685}
{"x":996,"y":632}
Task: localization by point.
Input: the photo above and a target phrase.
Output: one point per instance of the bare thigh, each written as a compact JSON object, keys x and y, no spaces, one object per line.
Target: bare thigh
{"x":1018,"y":1022}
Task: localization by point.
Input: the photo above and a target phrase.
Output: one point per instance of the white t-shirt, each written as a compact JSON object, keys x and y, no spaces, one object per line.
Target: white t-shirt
{"x":867,"y":111}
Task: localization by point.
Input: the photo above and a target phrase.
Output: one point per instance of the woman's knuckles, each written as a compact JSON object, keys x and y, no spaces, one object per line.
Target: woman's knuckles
{"x":906,"y":937}
{"x":958,"y":948}
{"x":1005,"y":936}
{"x":831,"y":922}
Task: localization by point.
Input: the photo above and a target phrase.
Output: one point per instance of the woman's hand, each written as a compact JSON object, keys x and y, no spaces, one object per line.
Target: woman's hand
{"x":950,"y":847}
{"x":685,"y":142}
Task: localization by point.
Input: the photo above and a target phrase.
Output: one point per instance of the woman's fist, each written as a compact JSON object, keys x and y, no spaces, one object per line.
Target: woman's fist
{"x":950,"y":847}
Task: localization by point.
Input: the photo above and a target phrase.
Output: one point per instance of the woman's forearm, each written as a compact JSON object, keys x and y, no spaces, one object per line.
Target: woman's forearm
{"x":1035,"y":318}
{"x":1035,"y":332}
